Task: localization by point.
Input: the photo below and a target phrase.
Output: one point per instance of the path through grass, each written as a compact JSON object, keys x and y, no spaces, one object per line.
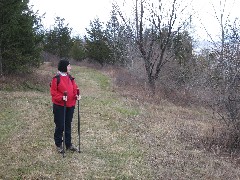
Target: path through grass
{"x":108,"y":150}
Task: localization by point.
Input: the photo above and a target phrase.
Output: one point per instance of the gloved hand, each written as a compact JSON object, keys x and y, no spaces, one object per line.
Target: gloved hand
{"x":78,"y":97}
{"x":65,"y":98}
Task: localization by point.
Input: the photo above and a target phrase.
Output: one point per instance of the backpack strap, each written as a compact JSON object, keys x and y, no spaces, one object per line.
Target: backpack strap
{"x":58,"y":79}
{"x":71,"y":78}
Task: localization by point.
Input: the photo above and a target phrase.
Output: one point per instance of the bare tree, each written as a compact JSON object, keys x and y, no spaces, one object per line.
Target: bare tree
{"x":154,"y":32}
{"x":224,"y":76}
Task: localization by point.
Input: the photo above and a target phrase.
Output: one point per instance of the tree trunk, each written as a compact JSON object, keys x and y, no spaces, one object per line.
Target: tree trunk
{"x":152,"y":84}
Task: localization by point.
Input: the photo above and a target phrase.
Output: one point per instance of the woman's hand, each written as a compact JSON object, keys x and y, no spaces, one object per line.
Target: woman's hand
{"x":78,"y":97}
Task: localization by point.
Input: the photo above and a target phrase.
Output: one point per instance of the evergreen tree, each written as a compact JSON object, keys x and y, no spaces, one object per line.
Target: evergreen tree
{"x":78,"y":51}
{"x":97,"y":43}
{"x":116,"y":42}
{"x":58,"y":40}
{"x":182,"y":47}
{"x":20,"y":37}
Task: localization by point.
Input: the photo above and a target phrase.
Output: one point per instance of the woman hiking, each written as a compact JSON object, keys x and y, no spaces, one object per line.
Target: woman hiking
{"x":63,"y":104}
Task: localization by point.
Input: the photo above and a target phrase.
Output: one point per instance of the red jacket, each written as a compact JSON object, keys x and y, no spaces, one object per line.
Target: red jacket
{"x":57,"y":91}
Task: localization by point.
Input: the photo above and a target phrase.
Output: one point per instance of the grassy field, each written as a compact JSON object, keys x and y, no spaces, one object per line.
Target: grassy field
{"x":121,"y":137}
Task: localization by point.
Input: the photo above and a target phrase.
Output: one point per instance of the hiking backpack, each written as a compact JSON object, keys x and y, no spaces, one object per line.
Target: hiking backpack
{"x":58,"y":78}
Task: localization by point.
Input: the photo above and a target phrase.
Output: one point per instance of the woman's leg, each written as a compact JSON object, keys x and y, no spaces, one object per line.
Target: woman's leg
{"x":68,"y":126}
{"x":58,"y":120}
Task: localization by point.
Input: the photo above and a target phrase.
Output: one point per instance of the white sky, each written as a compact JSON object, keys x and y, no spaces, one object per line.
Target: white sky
{"x":79,"y":13}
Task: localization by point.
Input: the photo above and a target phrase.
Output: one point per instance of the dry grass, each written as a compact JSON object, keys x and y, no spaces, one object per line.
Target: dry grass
{"x":124,"y":135}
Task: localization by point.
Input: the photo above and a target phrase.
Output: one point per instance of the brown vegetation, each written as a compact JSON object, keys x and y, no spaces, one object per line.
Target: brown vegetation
{"x":217,"y":137}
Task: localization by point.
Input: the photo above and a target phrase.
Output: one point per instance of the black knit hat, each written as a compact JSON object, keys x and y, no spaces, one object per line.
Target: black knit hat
{"x":62,"y":65}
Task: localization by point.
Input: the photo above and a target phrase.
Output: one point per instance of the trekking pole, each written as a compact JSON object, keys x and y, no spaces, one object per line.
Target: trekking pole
{"x":64,"y":118}
{"x":78,"y":124}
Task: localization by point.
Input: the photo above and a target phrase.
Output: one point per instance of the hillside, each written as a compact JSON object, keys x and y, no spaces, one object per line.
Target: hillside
{"x":121,"y":137}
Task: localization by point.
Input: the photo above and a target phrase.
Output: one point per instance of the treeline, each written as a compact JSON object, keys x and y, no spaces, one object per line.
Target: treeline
{"x":23,"y":38}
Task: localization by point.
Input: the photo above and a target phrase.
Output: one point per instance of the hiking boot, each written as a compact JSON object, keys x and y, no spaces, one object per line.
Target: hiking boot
{"x":59,"y":149}
{"x":72,"y":148}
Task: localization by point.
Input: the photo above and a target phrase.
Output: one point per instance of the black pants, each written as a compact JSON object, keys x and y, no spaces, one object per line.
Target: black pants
{"x":58,"y":112}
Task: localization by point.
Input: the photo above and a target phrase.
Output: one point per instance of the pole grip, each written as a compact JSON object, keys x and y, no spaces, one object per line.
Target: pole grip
{"x":77,"y":91}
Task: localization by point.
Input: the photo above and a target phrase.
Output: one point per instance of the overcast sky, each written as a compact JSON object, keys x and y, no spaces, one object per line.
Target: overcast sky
{"x":79,"y":13}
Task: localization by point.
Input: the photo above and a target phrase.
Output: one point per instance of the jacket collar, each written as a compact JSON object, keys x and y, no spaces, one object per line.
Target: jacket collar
{"x":62,"y":73}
